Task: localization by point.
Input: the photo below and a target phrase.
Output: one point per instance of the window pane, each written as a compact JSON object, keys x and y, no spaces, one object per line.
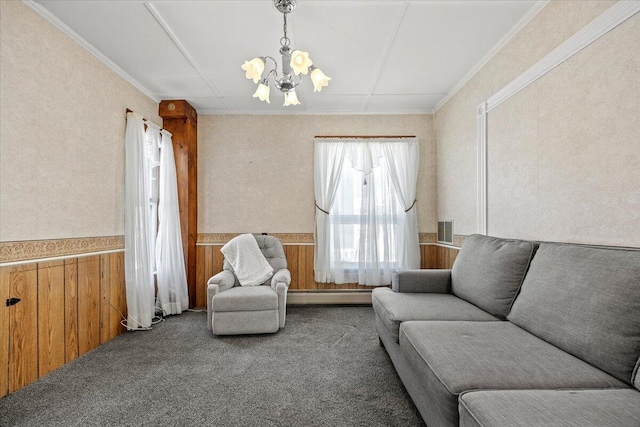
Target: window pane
{"x":365,"y":207}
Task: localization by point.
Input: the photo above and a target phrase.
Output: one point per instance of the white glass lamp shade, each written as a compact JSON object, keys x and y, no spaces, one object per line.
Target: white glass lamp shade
{"x":290,"y":98}
{"x":319,"y":80}
{"x":300,"y":62}
{"x":254,"y":69}
{"x":262,"y":93}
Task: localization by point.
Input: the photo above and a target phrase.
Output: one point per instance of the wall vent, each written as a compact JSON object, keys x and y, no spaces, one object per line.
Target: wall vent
{"x":445,"y":232}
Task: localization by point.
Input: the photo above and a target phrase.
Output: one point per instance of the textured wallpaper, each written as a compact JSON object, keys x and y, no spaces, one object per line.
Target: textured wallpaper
{"x":564,"y":155}
{"x":255,"y":173}
{"x":542,"y":141}
{"x":62,"y":121}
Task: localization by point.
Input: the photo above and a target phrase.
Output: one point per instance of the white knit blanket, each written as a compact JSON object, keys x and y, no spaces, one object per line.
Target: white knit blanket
{"x":247,"y":261}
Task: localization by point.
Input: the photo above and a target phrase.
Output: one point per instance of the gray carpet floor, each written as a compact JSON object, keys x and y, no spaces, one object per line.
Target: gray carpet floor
{"x":325,"y":368}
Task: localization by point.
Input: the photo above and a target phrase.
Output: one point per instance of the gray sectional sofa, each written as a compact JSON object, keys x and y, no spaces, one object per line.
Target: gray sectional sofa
{"x":518,"y":333}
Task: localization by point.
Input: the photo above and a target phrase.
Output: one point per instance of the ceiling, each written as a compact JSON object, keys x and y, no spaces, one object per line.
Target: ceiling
{"x":383,"y":57}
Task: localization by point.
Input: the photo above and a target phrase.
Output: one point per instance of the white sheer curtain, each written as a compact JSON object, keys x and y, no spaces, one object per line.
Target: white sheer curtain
{"x":328,"y":163}
{"x":173,"y":295}
{"x":138,"y":272}
{"x":402,"y":161}
{"x":152,"y":143}
{"x":371,"y":228}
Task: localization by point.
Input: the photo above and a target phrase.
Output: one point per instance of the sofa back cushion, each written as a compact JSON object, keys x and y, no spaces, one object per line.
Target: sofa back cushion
{"x":488,"y":272}
{"x":586,"y":301}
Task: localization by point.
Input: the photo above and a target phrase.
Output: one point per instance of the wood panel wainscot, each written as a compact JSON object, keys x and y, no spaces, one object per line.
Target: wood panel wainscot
{"x":299,"y":250}
{"x":66,"y":308}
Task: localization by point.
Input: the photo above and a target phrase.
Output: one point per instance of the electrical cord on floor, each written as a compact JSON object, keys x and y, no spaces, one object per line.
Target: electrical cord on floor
{"x":124,"y":322}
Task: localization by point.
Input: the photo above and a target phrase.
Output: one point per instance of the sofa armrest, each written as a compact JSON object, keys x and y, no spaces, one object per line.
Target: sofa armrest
{"x":281,"y":276}
{"x":422,"y":281}
{"x":225,"y":280}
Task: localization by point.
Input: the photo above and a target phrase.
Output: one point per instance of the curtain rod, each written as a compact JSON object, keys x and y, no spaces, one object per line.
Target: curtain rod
{"x":129,"y":110}
{"x":366,"y":136}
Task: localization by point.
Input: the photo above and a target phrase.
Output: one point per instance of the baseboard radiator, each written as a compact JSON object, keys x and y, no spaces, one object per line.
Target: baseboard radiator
{"x":328,"y":297}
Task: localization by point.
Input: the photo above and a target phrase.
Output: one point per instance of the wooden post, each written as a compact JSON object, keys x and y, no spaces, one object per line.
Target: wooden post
{"x":181,"y":119}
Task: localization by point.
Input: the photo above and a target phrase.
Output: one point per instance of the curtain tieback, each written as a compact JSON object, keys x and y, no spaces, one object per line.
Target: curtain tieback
{"x":410,"y":207}
{"x":323,"y":209}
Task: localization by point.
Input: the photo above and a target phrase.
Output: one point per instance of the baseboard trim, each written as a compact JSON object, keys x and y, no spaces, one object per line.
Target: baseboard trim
{"x":344,"y":297}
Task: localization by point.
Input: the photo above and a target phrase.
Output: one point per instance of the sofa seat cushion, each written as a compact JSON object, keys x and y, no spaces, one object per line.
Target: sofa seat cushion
{"x":394,"y":308}
{"x":489,"y":271}
{"x":453,"y":357}
{"x":542,"y":408}
{"x":246,"y":298}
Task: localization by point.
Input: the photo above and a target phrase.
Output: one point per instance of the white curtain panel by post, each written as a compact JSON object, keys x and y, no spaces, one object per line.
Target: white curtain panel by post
{"x":173,"y":295}
{"x":369,"y":192}
{"x":152,"y":144}
{"x":138,"y":272}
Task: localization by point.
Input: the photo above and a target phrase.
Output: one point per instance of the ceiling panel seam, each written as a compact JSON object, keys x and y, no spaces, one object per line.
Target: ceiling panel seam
{"x":385,"y":53}
{"x":174,"y":38}
{"x":57,"y":22}
{"x":411,"y":111}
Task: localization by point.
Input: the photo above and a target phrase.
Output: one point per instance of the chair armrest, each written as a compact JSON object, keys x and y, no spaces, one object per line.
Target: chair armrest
{"x":281,"y":276}
{"x":281,"y":290}
{"x":216,"y":284}
{"x":212,"y":290}
{"x":422,"y":281}
{"x":225,"y":280}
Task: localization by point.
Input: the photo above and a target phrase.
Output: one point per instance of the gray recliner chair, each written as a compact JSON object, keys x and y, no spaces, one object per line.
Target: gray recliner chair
{"x":233,"y":309}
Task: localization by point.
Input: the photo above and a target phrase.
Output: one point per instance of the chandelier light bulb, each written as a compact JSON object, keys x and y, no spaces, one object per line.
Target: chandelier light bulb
{"x":262,"y":93}
{"x":319,"y":79}
{"x":254,"y":69}
{"x":300,"y":62}
{"x":290,"y":98}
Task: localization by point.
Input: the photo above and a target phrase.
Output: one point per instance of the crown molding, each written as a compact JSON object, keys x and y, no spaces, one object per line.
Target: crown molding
{"x":607,"y":21}
{"x":494,"y":50}
{"x":46,"y":14}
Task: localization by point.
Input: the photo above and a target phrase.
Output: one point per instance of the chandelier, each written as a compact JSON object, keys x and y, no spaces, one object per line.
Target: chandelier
{"x":294,"y":63}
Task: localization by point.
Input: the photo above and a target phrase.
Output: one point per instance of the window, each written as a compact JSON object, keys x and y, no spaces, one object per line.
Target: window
{"x":366,"y":233}
{"x":358,"y":196}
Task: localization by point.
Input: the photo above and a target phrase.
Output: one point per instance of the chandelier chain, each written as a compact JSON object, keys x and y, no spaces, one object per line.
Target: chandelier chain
{"x":284,"y":41}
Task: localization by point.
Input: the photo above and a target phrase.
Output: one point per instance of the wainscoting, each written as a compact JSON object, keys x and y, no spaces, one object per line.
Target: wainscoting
{"x":72,"y":292}
{"x":67,"y":307}
{"x":299,"y":250}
